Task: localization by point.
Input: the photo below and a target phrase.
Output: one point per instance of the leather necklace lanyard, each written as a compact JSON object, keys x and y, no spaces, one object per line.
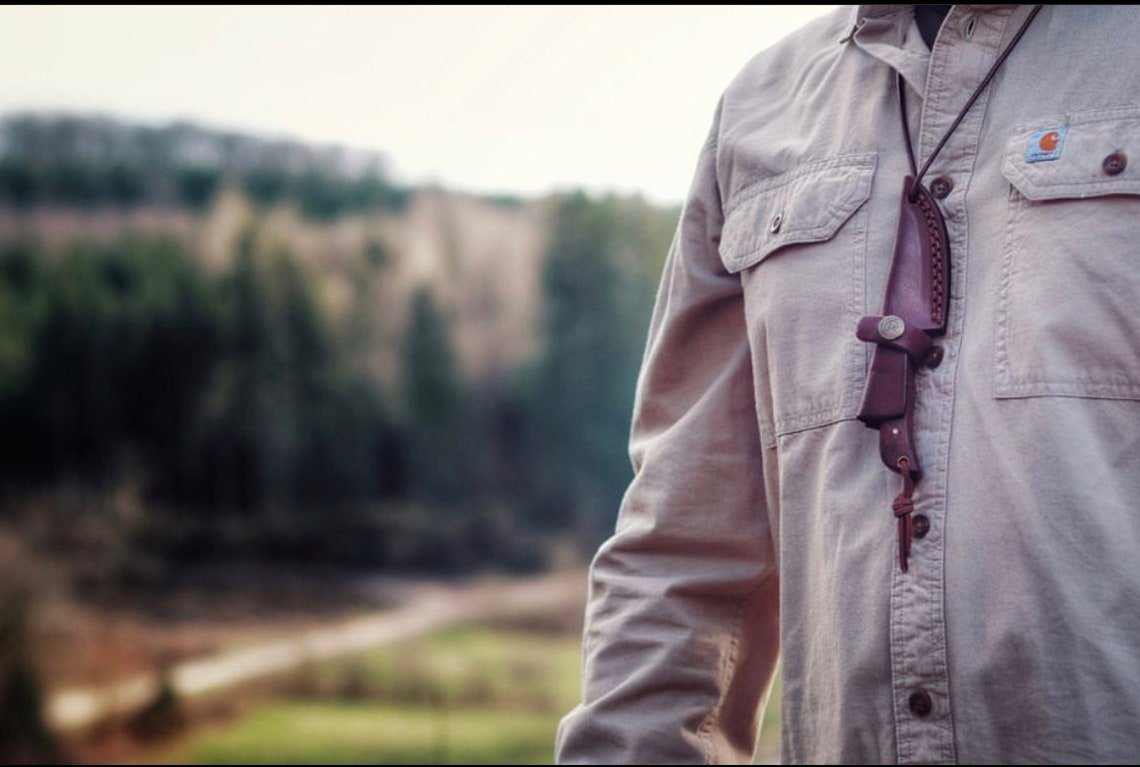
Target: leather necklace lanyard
{"x":914,"y":313}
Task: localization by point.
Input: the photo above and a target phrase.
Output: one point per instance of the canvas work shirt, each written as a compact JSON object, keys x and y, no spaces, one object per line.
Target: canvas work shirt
{"x":758,"y":526}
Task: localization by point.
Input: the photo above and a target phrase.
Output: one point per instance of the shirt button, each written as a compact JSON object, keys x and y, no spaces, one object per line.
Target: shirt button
{"x":1114,"y":163}
{"x":774,"y":225}
{"x":921,"y":524}
{"x":934,"y":356}
{"x":940,"y":187}
{"x":920,"y":703}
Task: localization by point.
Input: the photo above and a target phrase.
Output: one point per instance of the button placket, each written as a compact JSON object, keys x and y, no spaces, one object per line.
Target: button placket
{"x":923,"y":720}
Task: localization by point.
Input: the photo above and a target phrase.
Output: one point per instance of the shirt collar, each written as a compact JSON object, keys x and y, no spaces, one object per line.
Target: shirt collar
{"x":880,"y":11}
{"x":883,"y":11}
{"x":880,"y":31}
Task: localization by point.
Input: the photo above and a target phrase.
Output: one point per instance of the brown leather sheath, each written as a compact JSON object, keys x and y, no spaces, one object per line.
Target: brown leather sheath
{"x":914,"y":313}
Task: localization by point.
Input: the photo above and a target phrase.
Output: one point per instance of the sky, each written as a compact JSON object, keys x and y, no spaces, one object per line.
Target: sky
{"x":493,"y":99}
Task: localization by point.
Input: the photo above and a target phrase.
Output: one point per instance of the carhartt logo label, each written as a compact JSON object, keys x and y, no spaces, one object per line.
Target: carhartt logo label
{"x":1046,"y":145}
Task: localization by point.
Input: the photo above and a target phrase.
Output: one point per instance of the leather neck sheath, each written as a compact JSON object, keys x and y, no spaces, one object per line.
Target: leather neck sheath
{"x":914,"y":312}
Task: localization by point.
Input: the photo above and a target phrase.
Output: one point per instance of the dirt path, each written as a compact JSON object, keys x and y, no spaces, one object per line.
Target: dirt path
{"x":430,"y":609}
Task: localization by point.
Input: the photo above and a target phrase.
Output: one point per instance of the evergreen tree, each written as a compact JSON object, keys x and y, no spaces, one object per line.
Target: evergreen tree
{"x":437,"y":415}
{"x":599,"y":275}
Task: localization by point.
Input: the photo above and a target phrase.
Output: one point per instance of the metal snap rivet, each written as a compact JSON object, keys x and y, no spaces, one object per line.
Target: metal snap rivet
{"x":777,"y":219}
{"x":1115,"y":163}
{"x":891,"y":327}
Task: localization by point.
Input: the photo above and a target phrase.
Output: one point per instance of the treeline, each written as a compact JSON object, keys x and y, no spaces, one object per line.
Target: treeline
{"x":321,"y":197}
{"x":93,"y":163}
{"x":237,"y":405}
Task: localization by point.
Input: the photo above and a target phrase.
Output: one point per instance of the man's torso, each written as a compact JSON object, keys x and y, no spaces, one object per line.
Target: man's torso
{"x":1020,"y":613}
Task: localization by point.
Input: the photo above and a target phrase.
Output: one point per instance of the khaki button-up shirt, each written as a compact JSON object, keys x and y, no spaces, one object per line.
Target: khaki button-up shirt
{"x":758,"y":525}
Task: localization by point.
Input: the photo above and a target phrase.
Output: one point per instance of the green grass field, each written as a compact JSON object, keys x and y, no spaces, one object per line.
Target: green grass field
{"x":474,"y":695}
{"x":362,"y":733}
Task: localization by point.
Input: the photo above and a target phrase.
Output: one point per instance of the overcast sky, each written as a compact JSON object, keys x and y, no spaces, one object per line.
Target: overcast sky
{"x":492,"y":99}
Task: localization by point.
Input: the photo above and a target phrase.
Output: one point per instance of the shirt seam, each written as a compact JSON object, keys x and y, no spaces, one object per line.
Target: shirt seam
{"x":851,"y":160}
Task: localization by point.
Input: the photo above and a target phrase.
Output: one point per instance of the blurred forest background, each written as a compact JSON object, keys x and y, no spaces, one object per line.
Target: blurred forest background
{"x":213,"y":345}
{"x":271,"y":418}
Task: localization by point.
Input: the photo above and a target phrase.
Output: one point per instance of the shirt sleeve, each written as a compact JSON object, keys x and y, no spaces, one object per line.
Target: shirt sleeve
{"x":681,"y":632}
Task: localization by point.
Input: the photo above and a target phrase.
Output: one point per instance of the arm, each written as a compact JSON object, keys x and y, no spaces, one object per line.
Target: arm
{"x":681,"y":636}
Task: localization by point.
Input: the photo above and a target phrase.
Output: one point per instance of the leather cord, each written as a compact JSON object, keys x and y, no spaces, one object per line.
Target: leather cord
{"x":891,"y":393}
{"x":962,"y":114}
{"x":906,"y":124}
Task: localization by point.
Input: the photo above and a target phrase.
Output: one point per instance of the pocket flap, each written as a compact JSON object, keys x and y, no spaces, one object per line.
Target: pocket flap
{"x":1066,"y":157}
{"x":806,"y":204}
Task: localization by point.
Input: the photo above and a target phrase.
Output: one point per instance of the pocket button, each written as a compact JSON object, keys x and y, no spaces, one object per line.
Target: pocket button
{"x":1115,"y":163}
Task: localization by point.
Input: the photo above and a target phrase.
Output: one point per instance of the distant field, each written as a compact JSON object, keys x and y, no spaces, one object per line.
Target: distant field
{"x":469,"y":695}
{"x":473,"y":695}
{"x":362,"y":733}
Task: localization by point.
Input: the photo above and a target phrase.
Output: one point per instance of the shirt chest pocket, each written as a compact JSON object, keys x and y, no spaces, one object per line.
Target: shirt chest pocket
{"x":798,"y":241}
{"x":1068,"y":313}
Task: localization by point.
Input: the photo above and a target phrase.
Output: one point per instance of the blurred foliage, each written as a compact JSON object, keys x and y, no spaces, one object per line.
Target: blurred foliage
{"x":161,"y":409}
{"x":348,"y":732}
{"x":599,"y":279}
{"x":237,"y":408}
{"x":463,"y":696}
{"x":24,"y":735}
{"x":466,"y":666}
{"x":105,"y":346}
{"x":442,"y":450}
{"x":95,"y":162}
{"x":197,"y":186}
{"x":234,"y":399}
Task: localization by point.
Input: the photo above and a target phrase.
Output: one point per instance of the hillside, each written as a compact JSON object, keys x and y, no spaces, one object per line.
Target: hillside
{"x":239,"y":373}
{"x":481,"y":257}
{"x":269,"y":347}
